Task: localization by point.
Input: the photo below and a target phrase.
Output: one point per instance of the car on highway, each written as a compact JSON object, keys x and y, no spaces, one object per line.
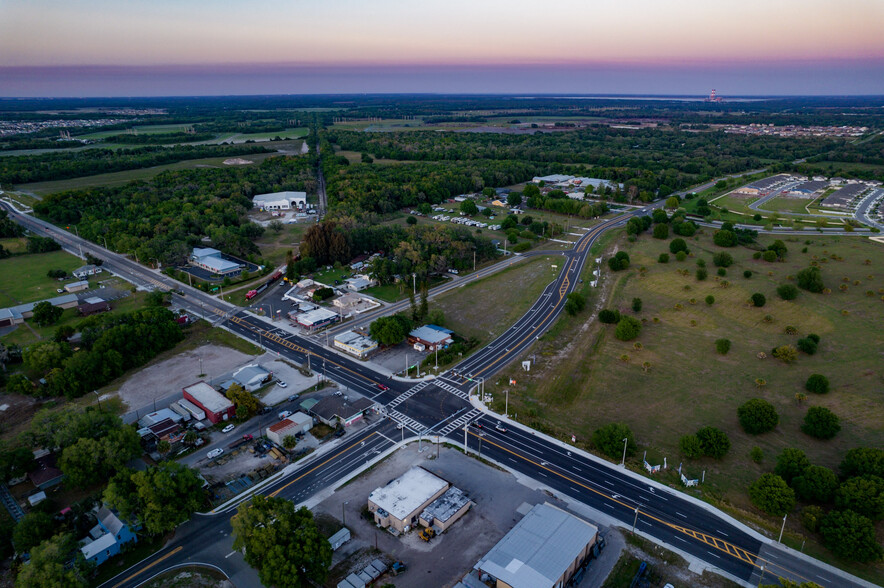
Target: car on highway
{"x":477,"y":424}
{"x":214,"y":453}
{"x":499,"y":426}
{"x":281,"y":384}
{"x":382,"y":388}
{"x":228,"y":428}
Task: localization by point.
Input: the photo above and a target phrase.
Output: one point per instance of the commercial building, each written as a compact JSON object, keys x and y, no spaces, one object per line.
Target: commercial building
{"x":543,"y":550}
{"x":332,"y":410}
{"x":252,"y":377}
{"x":81,"y":273}
{"x":316,"y":318}
{"x":196,"y":412}
{"x":355,"y":344}
{"x":213,"y":261}
{"x":216,"y":406}
{"x":76,"y":286}
{"x":93,"y":305}
{"x":399,"y":503}
{"x":446,"y":510}
{"x":280,"y":201}
{"x":430,"y":337}
{"x":294,"y":424}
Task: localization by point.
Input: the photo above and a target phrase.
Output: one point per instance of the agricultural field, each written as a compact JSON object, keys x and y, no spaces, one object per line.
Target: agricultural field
{"x":23,"y":277}
{"x":124,"y":177}
{"x":674,"y":382}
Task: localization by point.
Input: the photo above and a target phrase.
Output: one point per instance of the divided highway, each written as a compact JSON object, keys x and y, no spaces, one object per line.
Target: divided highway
{"x":442,"y":407}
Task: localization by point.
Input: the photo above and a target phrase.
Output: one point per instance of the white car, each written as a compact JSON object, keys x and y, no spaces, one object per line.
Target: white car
{"x":281,"y":384}
{"x":214,"y":453}
{"x":227,"y":429}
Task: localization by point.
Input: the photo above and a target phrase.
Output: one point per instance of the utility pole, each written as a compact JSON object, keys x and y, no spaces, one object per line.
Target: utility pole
{"x":783,"y":528}
{"x":474,"y":260}
{"x":623,"y":461}
{"x":465,"y":447}
{"x":506,"y":406}
{"x":406,"y":365}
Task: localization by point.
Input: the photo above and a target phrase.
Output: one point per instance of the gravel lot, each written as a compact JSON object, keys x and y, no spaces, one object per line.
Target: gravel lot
{"x":173,"y":374}
{"x":445,"y":559}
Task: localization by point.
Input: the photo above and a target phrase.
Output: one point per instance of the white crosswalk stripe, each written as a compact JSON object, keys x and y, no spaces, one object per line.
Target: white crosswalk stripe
{"x":451,"y":389}
{"x":407,"y":394}
{"x":406,"y":420}
{"x":459,"y":422}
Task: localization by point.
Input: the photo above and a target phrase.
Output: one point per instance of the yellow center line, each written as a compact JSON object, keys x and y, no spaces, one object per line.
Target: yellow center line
{"x":150,"y":565}
{"x":319,"y":465}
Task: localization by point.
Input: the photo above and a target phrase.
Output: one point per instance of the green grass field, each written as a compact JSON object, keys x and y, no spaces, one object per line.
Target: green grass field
{"x":782,"y":204}
{"x":485,"y":308}
{"x":23,"y":277}
{"x":15,"y":245}
{"x":124,"y":177}
{"x":140,"y":129}
{"x":583,"y":381}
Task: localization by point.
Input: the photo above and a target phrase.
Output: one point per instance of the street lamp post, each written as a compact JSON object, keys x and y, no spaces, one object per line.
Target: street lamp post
{"x":783,"y":528}
{"x":623,"y":461}
{"x":506,"y":406}
{"x":635,"y":520}
{"x":343,"y":514}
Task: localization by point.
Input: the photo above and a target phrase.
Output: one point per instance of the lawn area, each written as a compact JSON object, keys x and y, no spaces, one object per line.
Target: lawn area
{"x":141,"y":129}
{"x":124,"y":177}
{"x":585,"y":378}
{"x":145,"y":547}
{"x":15,"y":244}
{"x":274,"y":245}
{"x":23,"y":277}
{"x":783,"y":204}
{"x":485,"y":308}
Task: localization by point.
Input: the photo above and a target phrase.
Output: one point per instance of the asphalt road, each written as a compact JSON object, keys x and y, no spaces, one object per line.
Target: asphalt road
{"x":441,"y":407}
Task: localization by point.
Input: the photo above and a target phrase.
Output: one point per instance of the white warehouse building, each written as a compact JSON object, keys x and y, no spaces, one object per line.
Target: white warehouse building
{"x":281,"y":201}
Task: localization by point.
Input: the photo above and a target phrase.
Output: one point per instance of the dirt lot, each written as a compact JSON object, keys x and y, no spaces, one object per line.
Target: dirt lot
{"x":173,"y":374}
{"x":444,"y":560}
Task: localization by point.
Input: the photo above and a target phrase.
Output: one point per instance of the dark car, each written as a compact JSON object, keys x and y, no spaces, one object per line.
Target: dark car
{"x":340,"y":433}
{"x":266,"y":409}
{"x":477,"y":424}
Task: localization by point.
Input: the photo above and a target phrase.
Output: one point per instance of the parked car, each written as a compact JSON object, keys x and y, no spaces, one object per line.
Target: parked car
{"x":281,"y":384}
{"x":294,"y":397}
{"x":340,"y":432}
{"x":499,"y":426}
{"x":266,"y":410}
{"x":60,"y":290}
{"x":228,"y":428}
{"x":214,"y":453}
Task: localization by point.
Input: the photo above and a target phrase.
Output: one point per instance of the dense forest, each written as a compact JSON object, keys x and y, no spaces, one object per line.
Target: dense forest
{"x":166,"y":216}
{"x":86,"y":162}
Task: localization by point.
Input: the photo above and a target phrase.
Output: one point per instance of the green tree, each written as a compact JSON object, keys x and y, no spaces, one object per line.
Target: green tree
{"x":863,"y":461}
{"x":758,"y":299}
{"x":289,"y":441}
{"x":771,"y":494}
{"x":690,"y":446}
{"x":710,"y":300}
{"x":791,"y":463}
{"x":282,"y":543}
{"x":620,"y":261}
{"x":43,"y":356}
{"x":161,"y":497}
{"x":83,"y":463}
{"x":609,"y":440}
{"x":787,"y":292}
{"x":722,"y":259}
{"x":820,"y":422}
{"x":671,"y":203}
{"x":816,"y":484}
{"x":628,"y":328}
{"x":864,"y":495}
{"x":724,"y":238}
{"x":157,"y":298}
{"x":714,"y":441}
{"x":661,"y":231}
{"x":722,"y":346}
{"x":411,"y":220}
{"x":164,"y":447}
{"x":15,"y":462}
{"x":469,"y":207}
{"x":636,"y":305}
{"x":851,"y":536}
{"x":514,"y":198}
{"x":807,"y":345}
{"x":785,"y":353}
{"x":757,"y":416}
{"x":663,"y":258}
{"x":242,"y":398}
{"x":574,"y":303}
{"x":811,"y":279}
{"x":32,"y":530}
{"x":608,"y":316}
{"x":677,"y":245}
{"x":46,"y":314}
{"x":390,"y":330}
{"x":48,"y":565}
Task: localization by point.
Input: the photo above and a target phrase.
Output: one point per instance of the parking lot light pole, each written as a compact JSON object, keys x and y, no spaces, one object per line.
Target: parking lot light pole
{"x":465,"y":447}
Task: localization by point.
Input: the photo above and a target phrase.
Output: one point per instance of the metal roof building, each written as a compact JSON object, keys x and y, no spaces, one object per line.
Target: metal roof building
{"x":212,"y":260}
{"x":543,"y":550}
{"x":218,"y":408}
{"x":280,"y":200}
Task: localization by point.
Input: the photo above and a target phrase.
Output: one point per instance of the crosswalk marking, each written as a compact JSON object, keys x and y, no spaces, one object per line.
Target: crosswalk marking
{"x":405,"y":420}
{"x":407,"y":394}
{"x":459,"y":422}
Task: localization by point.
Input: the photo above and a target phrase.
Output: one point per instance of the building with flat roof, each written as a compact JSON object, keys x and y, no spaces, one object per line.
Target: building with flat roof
{"x":252,"y":377}
{"x":355,"y":344}
{"x":294,"y":424}
{"x":316,"y":318}
{"x":359,"y":283}
{"x":446,"y":510}
{"x":93,"y":305}
{"x":213,"y":261}
{"x":430,"y":338}
{"x":217,"y":406}
{"x":280,"y":200}
{"x":543,"y":550}
{"x":81,"y":273}
{"x":399,"y":503}
{"x":76,"y":286}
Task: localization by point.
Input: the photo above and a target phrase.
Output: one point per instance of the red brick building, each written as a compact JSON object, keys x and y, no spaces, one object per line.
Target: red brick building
{"x":217,"y":407}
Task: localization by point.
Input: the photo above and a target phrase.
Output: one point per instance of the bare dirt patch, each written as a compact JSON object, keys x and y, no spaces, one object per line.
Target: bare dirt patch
{"x":173,"y":374}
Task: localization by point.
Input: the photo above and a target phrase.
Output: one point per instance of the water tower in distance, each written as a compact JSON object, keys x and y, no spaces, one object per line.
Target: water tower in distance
{"x":713,"y":97}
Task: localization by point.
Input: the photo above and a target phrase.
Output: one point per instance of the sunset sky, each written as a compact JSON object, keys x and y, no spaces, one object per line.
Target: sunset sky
{"x":163,"y":47}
